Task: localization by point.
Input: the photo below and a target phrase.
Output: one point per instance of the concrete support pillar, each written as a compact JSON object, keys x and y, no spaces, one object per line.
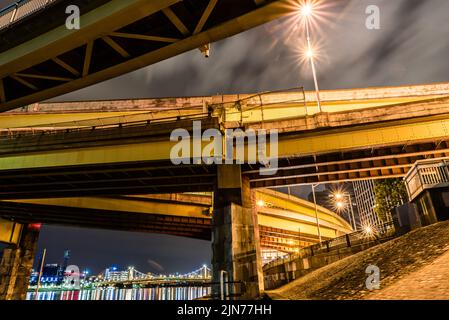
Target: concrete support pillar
{"x":16,"y":265}
{"x":235,"y":240}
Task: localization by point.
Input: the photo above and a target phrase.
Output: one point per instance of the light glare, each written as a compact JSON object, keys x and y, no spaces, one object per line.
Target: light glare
{"x":306,"y":10}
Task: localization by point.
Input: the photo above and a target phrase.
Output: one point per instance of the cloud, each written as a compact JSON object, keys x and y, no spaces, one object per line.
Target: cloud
{"x":156,"y":266}
{"x":411,"y":47}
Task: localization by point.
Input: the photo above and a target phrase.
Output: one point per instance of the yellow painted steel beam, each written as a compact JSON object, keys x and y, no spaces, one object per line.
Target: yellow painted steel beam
{"x":126,"y":205}
{"x":359,"y":137}
{"x":272,"y":112}
{"x":306,"y":229}
{"x":84,"y":119}
{"x":375,"y":135}
{"x":293,"y":214}
{"x":113,"y":15}
{"x":10,"y":232}
{"x":110,"y":18}
{"x":377,"y":95}
{"x":285,"y":110}
{"x":292,"y":210}
{"x":267,"y":113}
{"x":148,"y":151}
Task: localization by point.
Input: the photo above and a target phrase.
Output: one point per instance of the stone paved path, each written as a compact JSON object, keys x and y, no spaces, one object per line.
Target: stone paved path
{"x":428,"y":283}
{"x":414,"y":266}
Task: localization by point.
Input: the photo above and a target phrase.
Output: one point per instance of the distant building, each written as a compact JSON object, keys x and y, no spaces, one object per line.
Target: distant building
{"x":50,"y":275}
{"x":365,"y":200}
{"x":113,"y":274}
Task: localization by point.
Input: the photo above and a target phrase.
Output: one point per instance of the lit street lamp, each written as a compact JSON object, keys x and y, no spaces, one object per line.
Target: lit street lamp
{"x":306,"y":13}
{"x":341,"y":204}
{"x":260,"y":203}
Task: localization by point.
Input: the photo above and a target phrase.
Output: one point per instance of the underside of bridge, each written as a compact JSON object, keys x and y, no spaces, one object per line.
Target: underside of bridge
{"x":41,"y":58}
{"x":134,"y":157}
{"x":109,"y":170}
{"x":185,"y":215}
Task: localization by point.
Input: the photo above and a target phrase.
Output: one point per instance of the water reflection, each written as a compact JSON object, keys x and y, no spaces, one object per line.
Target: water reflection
{"x":157,"y":293}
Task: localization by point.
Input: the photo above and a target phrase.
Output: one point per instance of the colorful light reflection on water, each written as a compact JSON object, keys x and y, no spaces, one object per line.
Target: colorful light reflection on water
{"x":157,"y":293}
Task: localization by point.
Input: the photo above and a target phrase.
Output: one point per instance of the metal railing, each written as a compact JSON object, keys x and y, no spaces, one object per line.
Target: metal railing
{"x":377,"y":234}
{"x":21,"y":9}
{"x":137,"y":120}
{"x":427,"y":174}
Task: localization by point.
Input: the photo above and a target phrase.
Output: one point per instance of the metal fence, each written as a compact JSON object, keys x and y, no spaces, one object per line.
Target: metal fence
{"x":375,"y":235}
{"x":20,"y":10}
{"x":427,"y":174}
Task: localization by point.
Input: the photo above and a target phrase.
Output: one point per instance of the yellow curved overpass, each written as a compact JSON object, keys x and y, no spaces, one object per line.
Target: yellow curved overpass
{"x":285,"y":222}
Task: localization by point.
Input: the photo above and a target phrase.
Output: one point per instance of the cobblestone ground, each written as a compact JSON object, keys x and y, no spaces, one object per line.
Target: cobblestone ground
{"x":414,"y":266}
{"x":428,"y":283}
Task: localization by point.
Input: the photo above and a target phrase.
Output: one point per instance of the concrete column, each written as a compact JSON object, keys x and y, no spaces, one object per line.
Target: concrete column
{"x":235,"y":236}
{"x":16,"y":265}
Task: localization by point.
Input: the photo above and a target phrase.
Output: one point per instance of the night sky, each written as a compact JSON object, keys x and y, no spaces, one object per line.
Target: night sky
{"x":411,"y":47}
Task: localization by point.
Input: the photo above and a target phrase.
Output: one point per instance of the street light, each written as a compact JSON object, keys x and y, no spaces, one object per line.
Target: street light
{"x":340,"y":204}
{"x":306,"y":11}
{"x":260,"y":203}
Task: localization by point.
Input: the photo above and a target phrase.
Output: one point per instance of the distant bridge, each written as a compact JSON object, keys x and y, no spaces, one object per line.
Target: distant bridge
{"x":200,"y":277}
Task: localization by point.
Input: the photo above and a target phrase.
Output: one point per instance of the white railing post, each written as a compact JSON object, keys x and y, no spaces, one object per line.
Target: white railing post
{"x":224,"y":279}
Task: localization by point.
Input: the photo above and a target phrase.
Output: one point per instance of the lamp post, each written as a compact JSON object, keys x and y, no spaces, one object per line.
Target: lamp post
{"x":307,"y":12}
{"x":41,"y":269}
{"x":316,"y":210}
{"x":352,"y":211}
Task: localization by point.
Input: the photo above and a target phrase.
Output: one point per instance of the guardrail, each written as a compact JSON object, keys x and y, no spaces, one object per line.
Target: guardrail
{"x":375,"y":234}
{"x":142,"y":120}
{"x":20,"y":10}
{"x":427,"y":174}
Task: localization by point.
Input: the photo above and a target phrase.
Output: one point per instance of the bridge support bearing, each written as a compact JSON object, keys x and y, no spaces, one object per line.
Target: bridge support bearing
{"x":16,"y":265}
{"x":235,"y":236}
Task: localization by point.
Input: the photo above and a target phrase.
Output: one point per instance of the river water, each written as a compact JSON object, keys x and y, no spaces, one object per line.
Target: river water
{"x":157,"y":293}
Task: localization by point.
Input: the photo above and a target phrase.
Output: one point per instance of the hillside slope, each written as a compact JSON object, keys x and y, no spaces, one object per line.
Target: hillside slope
{"x":418,"y":259}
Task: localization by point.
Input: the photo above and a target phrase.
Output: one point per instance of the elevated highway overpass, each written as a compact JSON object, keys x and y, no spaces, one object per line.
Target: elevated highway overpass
{"x":74,"y":163}
{"x":286,"y":223}
{"x":369,"y":133}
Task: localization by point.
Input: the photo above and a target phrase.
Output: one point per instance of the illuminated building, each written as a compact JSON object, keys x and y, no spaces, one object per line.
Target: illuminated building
{"x":365,"y":200}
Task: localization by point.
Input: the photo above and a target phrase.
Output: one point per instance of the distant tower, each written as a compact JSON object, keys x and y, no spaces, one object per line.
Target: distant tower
{"x":64,"y":265}
{"x":66,"y":259}
{"x":365,"y":200}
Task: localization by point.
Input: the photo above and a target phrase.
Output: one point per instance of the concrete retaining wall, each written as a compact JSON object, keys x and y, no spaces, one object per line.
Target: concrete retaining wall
{"x":298,"y":266}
